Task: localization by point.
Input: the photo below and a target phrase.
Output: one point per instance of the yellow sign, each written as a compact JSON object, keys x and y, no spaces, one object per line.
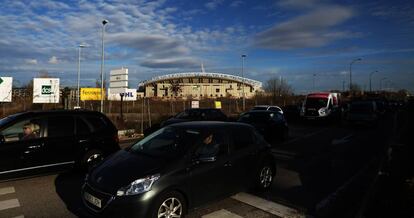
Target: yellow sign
{"x":217,"y":104}
{"x":90,"y":94}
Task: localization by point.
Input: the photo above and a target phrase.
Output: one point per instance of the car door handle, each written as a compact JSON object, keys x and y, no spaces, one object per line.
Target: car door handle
{"x":34,"y":146}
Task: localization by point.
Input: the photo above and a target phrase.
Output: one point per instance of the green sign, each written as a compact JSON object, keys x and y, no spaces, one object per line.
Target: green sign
{"x":46,"y":90}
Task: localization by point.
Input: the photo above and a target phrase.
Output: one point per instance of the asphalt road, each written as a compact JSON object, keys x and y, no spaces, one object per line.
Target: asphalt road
{"x":323,"y":170}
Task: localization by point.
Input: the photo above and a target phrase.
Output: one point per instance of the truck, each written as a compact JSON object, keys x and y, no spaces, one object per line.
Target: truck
{"x":321,"y":105}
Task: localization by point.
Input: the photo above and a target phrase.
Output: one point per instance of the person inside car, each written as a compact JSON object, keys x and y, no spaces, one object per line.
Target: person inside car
{"x":209,"y":146}
{"x":28,"y":131}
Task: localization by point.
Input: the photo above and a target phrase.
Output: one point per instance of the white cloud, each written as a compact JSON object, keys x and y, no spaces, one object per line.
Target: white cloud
{"x":236,"y":3}
{"x":181,"y":63}
{"x":213,"y":4}
{"x":314,"y":29}
{"x":31,"y":61}
{"x":53,"y":60}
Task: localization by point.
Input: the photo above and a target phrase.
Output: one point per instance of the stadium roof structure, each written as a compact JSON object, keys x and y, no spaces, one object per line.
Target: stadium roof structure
{"x":239,"y":79}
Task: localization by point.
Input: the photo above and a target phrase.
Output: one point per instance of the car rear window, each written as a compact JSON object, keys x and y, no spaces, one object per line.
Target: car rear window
{"x":98,"y":123}
{"x":242,"y":138}
{"x":82,"y":127}
{"x":61,"y":126}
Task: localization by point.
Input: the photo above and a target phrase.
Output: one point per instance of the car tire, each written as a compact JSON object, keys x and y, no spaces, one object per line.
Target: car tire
{"x":265,"y":176}
{"x":171,"y":203}
{"x":91,"y":158}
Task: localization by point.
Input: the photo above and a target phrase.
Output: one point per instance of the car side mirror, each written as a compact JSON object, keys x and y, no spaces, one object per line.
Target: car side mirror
{"x":2,"y":139}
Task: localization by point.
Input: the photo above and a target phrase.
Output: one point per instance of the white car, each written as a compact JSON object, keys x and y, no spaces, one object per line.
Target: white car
{"x":267,"y":108}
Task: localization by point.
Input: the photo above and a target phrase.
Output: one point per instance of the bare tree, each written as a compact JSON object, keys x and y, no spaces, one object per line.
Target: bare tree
{"x":278,"y":87}
{"x":355,"y":88}
{"x":98,"y":83}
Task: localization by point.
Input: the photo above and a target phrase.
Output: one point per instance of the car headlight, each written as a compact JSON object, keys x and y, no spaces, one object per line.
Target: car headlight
{"x":323,"y":111}
{"x":138,"y":186}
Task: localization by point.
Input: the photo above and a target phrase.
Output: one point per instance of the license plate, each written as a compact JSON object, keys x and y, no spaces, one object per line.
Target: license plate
{"x":92,"y":199}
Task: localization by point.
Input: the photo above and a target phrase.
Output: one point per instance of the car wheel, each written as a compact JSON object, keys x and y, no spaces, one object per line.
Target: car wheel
{"x":92,"y":158}
{"x":170,"y":205}
{"x":265,"y":176}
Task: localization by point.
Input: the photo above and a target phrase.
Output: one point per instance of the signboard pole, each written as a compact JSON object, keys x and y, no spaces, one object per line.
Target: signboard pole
{"x":122,"y":101}
{"x":142,"y":116}
{"x":149,"y":113}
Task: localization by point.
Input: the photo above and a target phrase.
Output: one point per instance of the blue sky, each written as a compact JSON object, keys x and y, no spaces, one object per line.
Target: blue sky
{"x":294,"y":39}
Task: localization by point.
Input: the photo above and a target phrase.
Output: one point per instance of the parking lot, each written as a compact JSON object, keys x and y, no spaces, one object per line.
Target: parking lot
{"x":322,"y":170}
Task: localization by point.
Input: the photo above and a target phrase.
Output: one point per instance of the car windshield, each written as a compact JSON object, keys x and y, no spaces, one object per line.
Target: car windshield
{"x":316,"y":102}
{"x":189,"y":114}
{"x":5,"y":120}
{"x":362,"y":107}
{"x":166,"y":142}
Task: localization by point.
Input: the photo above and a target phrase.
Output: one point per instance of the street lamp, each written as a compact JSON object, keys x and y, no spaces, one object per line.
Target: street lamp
{"x":102,"y":63}
{"x":314,"y":75}
{"x":244,"y":98}
{"x":370,"y":76}
{"x":79,"y":61}
{"x":382,"y":79}
{"x":350,"y":72}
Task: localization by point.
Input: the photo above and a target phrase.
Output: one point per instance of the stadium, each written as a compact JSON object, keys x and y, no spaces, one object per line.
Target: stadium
{"x":200,"y":85}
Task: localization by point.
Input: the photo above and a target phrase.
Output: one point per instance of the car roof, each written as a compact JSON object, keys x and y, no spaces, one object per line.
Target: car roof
{"x":266,"y":106}
{"x":202,"y":109}
{"x":261,"y":112}
{"x":55,"y":112}
{"x":210,"y":124}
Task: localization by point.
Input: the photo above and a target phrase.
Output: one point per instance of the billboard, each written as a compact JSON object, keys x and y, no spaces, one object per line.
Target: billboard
{"x":129,"y":95}
{"x":46,"y":90}
{"x":90,"y":94}
{"x":6,"y":89}
{"x":118,"y":80}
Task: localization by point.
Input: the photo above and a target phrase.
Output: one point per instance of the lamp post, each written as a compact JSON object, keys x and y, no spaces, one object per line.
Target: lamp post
{"x":79,"y":61}
{"x":370,"y":76}
{"x":244,"y":98}
{"x":102,"y":63}
{"x":350,"y":72}
{"x":314,"y":76}
{"x":382,"y":79}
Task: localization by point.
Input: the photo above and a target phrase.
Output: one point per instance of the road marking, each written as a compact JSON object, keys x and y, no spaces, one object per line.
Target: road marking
{"x":7,"y":204}
{"x":342,"y":140}
{"x":7,"y":190}
{"x":37,"y":167}
{"x":268,"y":206}
{"x":221,"y":214}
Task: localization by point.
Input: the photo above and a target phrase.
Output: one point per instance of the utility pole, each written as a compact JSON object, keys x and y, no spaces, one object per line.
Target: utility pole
{"x":350,"y":72}
{"x":314,"y":75}
{"x":103,"y":63}
{"x":79,"y":61}
{"x":244,"y":97}
{"x":370,"y":77}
